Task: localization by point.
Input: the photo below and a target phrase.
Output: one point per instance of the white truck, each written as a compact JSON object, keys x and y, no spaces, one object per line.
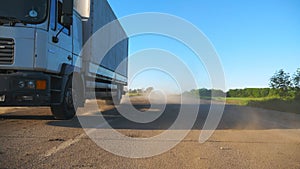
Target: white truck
{"x":40,"y":42}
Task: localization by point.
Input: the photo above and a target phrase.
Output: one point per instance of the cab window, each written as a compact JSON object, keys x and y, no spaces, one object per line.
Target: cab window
{"x":59,"y":26}
{"x":55,"y":22}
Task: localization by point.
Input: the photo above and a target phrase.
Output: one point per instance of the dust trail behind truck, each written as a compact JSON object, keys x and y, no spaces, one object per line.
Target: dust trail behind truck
{"x":40,"y":54}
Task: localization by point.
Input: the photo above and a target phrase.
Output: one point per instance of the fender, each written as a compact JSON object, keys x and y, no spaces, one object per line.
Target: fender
{"x":67,"y":71}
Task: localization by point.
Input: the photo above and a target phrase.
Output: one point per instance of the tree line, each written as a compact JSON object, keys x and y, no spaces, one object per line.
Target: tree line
{"x":282,"y":85}
{"x":252,"y":92}
{"x":141,"y":91}
{"x":206,"y":93}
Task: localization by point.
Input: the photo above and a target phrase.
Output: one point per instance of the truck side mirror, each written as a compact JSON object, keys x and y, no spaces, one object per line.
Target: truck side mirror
{"x":67,"y":13}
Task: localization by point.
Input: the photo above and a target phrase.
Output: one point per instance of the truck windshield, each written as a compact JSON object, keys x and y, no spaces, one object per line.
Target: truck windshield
{"x":24,"y":11}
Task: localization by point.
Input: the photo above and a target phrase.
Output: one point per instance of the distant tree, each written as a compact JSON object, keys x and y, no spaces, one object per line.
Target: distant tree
{"x":265,"y":92}
{"x":296,"y":79}
{"x":218,"y":93}
{"x":149,"y":90}
{"x":204,"y":92}
{"x":140,"y":91}
{"x":281,"y":82}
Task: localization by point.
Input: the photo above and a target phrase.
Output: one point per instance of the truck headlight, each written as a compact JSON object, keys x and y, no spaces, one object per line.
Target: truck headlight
{"x":21,"y":84}
{"x":31,"y":84}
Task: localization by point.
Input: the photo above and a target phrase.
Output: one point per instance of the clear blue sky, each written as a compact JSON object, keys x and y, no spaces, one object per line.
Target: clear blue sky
{"x":253,"y":38}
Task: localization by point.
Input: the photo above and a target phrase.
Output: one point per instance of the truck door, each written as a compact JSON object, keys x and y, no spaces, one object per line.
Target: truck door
{"x":59,"y":51}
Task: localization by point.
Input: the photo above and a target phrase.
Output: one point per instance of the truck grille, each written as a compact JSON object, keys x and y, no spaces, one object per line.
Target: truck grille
{"x":6,"y":51}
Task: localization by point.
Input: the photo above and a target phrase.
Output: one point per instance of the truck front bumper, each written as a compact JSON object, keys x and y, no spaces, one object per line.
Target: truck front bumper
{"x":20,"y":89}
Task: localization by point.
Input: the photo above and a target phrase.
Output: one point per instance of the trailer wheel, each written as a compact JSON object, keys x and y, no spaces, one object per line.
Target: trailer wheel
{"x":67,"y":109}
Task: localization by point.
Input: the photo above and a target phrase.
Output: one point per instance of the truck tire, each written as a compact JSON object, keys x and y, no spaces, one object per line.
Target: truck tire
{"x":67,"y":109}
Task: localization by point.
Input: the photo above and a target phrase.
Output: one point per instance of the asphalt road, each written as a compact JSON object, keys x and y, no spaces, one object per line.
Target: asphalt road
{"x":245,"y":138}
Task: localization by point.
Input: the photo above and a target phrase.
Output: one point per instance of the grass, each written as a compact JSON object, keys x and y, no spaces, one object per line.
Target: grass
{"x":134,"y":94}
{"x":243,"y":101}
{"x":279,"y":104}
{"x":284,"y":105}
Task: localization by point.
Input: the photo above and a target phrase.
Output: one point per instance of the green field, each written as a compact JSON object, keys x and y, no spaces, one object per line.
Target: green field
{"x":284,"y":105}
{"x":134,"y":94}
{"x":243,"y":101}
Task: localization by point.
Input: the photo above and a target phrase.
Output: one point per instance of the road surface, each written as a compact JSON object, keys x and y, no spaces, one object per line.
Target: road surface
{"x":245,"y":138}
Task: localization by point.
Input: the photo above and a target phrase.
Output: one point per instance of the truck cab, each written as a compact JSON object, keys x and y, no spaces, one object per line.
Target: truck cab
{"x":40,"y":45}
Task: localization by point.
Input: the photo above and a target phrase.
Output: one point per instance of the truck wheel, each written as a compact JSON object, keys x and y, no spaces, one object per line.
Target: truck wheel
{"x":67,"y":109}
